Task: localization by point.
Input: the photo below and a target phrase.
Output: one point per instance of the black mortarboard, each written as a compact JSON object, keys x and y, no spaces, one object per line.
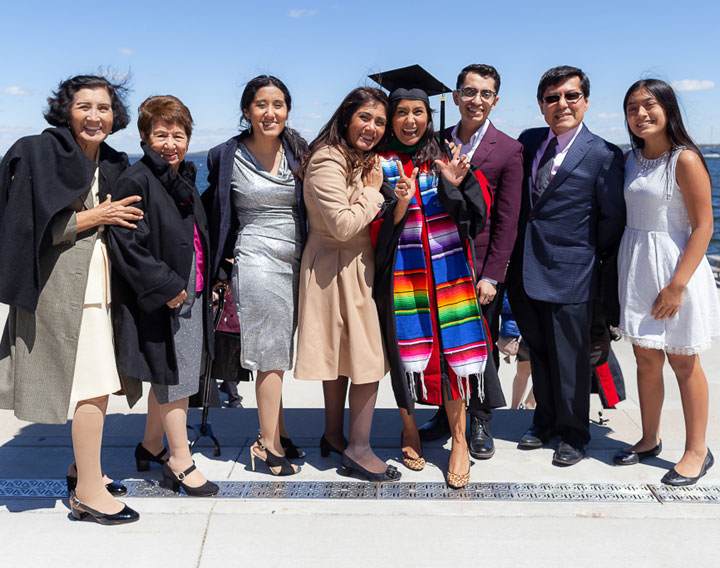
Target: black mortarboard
{"x":405,"y":80}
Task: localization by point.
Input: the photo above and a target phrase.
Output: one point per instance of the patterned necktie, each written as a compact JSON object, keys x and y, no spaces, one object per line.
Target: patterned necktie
{"x":544,"y":170}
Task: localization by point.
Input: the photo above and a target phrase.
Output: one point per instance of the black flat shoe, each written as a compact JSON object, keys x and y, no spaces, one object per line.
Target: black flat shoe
{"x":673,"y":478}
{"x":326,"y":448}
{"x":480,"y":442}
{"x":567,"y":455}
{"x":81,"y":512}
{"x":437,"y":428}
{"x":351,"y":468}
{"x":292,"y":452}
{"x":115,"y":488}
{"x":143,"y":457}
{"x":630,"y":457}
{"x":174,"y":482}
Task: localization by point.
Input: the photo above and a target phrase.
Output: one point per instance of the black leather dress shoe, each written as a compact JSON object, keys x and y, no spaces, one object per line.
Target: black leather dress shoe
{"x":533,"y":439}
{"x":566,"y":455}
{"x":673,"y":478}
{"x":482,"y":445}
{"x":630,"y":457}
{"x":436,"y":428}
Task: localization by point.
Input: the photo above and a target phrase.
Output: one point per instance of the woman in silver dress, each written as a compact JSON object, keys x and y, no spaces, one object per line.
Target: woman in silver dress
{"x":256,"y":217}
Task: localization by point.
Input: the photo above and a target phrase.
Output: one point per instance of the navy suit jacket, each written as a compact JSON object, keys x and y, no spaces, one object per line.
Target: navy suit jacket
{"x":578,"y":220}
{"x":218,"y":204}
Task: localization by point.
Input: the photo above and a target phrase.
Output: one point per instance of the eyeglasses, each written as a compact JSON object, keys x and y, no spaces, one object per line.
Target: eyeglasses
{"x":570,"y":98}
{"x":469,"y":93}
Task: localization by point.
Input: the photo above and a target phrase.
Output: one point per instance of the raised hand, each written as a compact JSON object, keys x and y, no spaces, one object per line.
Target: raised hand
{"x":405,"y":186}
{"x":456,"y":168}
{"x":374,"y":177}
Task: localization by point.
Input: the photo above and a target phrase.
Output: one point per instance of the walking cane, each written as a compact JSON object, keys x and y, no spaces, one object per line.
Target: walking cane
{"x":204,"y":429}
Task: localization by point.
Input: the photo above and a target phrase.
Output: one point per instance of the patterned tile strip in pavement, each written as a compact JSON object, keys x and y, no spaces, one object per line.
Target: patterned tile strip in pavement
{"x":535,"y":492}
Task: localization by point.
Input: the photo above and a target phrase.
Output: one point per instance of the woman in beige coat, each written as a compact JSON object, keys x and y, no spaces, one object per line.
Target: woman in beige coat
{"x":338,"y":329}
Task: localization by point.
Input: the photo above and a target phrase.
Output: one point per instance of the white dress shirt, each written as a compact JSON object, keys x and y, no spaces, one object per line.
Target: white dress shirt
{"x":472,"y":145}
{"x":565,"y":140}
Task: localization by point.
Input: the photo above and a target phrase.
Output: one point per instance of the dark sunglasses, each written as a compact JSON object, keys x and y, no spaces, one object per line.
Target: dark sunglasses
{"x":571,"y":98}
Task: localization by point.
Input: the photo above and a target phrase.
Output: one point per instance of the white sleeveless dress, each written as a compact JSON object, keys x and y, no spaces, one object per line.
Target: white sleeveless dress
{"x":655,"y":236}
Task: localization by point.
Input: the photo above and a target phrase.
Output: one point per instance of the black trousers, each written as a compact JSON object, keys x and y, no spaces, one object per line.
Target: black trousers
{"x":558,"y":337}
{"x":491,"y":312}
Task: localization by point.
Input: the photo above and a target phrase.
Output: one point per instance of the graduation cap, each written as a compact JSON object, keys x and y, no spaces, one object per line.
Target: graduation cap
{"x":414,"y":77}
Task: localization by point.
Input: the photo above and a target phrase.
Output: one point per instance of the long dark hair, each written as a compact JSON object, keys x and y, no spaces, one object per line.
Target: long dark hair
{"x":335,"y":131}
{"x":675,"y":129}
{"x":428,"y":148}
{"x":290,"y":137}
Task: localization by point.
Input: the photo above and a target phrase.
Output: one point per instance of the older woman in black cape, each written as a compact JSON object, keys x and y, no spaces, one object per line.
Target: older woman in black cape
{"x":57,"y":346}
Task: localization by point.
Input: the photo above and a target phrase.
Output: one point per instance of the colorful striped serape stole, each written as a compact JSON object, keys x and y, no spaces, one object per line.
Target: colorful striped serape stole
{"x":462,"y":334}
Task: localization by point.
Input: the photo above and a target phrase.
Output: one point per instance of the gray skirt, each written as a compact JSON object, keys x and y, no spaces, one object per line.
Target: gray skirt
{"x":188,"y":338}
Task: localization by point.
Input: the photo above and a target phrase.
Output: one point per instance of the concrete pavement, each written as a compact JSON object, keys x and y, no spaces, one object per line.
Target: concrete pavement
{"x":182,"y":532}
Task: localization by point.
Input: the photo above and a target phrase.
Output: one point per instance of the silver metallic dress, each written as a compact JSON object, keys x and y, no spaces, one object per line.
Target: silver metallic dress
{"x":267,"y":262}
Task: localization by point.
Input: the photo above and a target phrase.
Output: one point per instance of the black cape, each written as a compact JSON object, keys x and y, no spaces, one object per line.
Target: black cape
{"x":39,"y":177}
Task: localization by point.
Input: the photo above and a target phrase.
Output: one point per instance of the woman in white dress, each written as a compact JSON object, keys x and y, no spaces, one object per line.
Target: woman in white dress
{"x":668,"y":298}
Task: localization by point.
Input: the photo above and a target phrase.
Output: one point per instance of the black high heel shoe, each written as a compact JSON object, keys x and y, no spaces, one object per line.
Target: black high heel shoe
{"x":673,"y":478}
{"x":174,"y":482}
{"x":81,"y":512}
{"x":115,"y":488}
{"x":272,"y":461}
{"x":292,"y":452}
{"x":326,"y":448}
{"x":143,"y":457}
{"x":351,"y":468}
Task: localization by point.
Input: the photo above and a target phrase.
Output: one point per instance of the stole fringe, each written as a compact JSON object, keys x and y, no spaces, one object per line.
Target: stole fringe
{"x":410,"y":377}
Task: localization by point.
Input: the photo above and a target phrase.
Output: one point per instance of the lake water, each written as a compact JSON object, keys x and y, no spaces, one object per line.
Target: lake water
{"x":712,"y":155}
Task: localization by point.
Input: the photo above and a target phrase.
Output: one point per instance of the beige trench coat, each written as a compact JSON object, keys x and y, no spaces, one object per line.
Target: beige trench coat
{"x":38,"y":350}
{"x":338,"y":326}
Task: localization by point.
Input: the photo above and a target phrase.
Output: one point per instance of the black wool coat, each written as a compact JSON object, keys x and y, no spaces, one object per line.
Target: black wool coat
{"x":40,"y":177}
{"x":154,"y":262}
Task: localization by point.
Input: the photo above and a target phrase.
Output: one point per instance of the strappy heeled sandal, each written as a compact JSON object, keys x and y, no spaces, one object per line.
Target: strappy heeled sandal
{"x":272,"y":461}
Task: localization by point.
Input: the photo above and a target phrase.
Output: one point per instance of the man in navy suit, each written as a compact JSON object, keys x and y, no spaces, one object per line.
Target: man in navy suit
{"x":499,"y":157}
{"x":572,"y":216}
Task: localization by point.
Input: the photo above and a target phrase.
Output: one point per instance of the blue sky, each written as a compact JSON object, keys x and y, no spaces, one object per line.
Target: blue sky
{"x":205,"y":52}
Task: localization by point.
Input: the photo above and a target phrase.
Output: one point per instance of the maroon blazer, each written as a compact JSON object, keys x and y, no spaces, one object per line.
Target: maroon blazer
{"x":499,"y":157}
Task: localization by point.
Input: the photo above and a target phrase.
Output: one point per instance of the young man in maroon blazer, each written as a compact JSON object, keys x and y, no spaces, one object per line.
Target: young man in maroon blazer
{"x":500,"y":159}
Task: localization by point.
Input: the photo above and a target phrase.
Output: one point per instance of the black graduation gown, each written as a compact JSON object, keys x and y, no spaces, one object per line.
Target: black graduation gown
{"x":468,"y":206}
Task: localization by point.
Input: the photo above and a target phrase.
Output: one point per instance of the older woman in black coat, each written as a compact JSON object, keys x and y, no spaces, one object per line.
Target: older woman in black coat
{"x":164,"y":328}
